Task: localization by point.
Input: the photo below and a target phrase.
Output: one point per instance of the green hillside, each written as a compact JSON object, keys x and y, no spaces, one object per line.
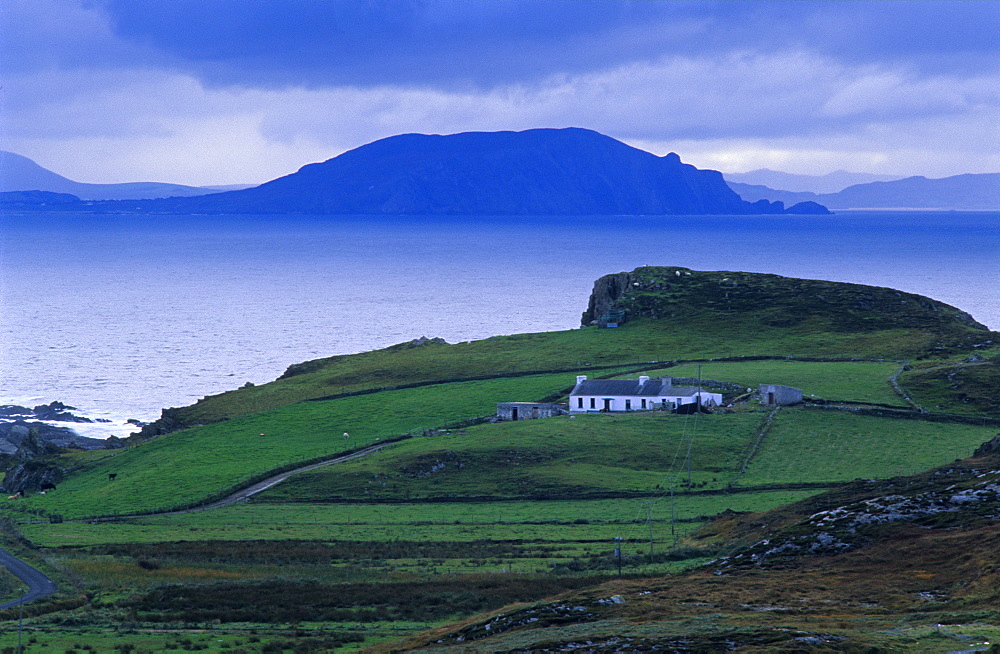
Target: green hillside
{"x":455,"y":516}
{"x":674,"y":313}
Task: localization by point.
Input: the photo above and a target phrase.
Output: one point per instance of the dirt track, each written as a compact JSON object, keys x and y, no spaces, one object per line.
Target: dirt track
{"x":40,"y":586}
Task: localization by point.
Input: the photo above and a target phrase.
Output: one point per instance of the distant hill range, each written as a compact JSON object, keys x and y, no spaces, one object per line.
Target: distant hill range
{"x":20,"y":174}
{"x":828,"y":183}
{"x":980,"y":192}
{"x":568,"y":171}
{"x":536,"y":172}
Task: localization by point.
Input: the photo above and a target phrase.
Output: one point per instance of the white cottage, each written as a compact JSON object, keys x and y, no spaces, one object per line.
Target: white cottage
{"x":644,"y":393}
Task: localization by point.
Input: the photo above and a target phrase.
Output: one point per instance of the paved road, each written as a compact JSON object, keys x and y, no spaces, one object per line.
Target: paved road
{"x":38,"y":584}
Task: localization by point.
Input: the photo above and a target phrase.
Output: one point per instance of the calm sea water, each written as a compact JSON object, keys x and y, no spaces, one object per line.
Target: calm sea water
{"x":124,"y":315}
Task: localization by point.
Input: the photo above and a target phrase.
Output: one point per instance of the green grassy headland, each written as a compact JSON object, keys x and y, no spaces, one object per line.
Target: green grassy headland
{"x":472,"y":517}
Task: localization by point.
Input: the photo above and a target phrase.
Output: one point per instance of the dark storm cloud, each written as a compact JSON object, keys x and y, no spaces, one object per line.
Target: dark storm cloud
{"x":437,"y":43}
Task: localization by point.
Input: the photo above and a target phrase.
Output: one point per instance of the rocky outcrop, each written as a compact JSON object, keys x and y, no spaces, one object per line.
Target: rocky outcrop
{"x":25,"y":440}
{"x":169,"y":421}
{"x":607,"y":291}
{"x":808,"y":207}
{"x":31,"y":476}
{"x":776,"y":301}
{"x":56,"y":411}
{"x":988,"y":448}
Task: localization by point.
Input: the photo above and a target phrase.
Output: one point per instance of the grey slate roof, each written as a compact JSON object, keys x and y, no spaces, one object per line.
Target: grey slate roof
{"x":615,"y":387}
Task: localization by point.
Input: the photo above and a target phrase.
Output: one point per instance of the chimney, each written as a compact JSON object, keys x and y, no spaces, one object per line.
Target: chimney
{"x":580,"y":379}
{"x":643,"y":379}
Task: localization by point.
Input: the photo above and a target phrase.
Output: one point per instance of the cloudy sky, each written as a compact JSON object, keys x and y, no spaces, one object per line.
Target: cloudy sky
{"x":241,"y":91}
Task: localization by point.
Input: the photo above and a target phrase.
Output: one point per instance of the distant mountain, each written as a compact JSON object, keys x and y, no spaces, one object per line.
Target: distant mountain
{"x":536,"y":172}
{"x":962,"y":192}
{"x":980,"y":192}
{"x":19,"y":173}
{"x":828,"y":183}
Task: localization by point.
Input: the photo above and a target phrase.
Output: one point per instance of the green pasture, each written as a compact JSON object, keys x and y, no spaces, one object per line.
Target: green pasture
{"x":701,"y":335}
{"x":969,"y":385}
{"x":851,"y":381}
{"x":552,"y":521}
{"x":815,"y":445}
{"x":202,"y":462}
{"x":562,"y":457}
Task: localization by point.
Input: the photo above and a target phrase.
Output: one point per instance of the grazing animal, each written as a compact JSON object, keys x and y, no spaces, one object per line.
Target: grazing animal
{"x":346,"y":435}
{"x":13,"y":497}
{"x":112,"y":475}
{"x":47,"y":486}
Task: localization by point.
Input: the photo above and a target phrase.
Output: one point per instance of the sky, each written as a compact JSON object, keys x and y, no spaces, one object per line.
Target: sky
{"x":206,"y":92}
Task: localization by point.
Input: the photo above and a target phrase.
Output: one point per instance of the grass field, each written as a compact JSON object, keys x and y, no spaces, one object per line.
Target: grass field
{"x":700,"y":335}
{"x":853,"y":381}
{"x":193,"y":464}
{"x":557,"y":457}
{"x":835,"y":446}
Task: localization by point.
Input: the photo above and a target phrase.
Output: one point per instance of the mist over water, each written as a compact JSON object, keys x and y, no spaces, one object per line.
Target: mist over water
{"x":124,"y":315}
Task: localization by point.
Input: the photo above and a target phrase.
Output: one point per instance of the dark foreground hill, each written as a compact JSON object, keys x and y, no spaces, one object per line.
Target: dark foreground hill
{"x":870,"y":566}
{"x":536,"y":172}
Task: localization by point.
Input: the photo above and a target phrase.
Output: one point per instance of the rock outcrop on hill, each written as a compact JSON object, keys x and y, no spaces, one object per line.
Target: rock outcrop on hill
{"x":659,"y":292}
{"x":536,"y":172}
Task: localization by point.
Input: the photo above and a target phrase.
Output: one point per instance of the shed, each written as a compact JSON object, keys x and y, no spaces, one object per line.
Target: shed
{"x":529,"y":410}
{"x":778,"y":395}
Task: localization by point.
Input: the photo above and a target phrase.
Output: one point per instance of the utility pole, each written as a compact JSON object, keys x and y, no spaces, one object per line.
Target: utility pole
{"x":618,"y":553}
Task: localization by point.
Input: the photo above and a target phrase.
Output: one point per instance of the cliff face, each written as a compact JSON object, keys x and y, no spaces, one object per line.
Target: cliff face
{"x":607,"y":291}
{"x":535,"y":172}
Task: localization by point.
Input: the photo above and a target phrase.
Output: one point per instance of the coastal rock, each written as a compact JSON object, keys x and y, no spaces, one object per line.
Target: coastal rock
{"x":808,"y":207}
{"x":607,"y":291}
{"x":55,"y":411}
{"x":31,"y":476}
{"x":25,"y":440}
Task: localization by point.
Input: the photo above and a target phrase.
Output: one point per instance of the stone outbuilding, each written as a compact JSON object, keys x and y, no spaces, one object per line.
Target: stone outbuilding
{"x":778,"y":395}
{"x":529,"y":410}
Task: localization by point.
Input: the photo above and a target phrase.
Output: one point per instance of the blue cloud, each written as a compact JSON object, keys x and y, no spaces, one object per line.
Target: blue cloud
{"x":444,"y":43}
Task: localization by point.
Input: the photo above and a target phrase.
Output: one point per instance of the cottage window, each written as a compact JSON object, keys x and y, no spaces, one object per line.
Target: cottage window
{"x":644,"y":404}
{"x":579,"y":402}
{"x":628,"y":405}
{"x":592,"y":401}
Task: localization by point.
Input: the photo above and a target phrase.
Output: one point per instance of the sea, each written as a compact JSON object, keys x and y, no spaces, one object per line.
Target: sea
{"x":122,"y":315}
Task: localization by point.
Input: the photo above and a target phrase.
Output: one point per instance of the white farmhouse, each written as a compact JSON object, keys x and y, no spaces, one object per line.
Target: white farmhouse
{"x":644,"y":393}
